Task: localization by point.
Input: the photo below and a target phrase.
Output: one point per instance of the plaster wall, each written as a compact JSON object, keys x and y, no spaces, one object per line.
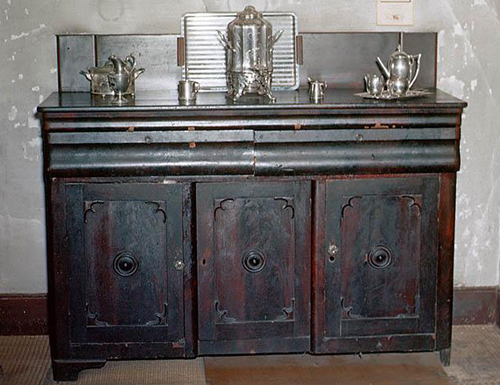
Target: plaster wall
{"x":469,"y":37}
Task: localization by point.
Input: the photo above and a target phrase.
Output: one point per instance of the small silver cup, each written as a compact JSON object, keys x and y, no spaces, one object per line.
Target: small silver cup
{"x":374,"y":84}
{"x":317,"y":89}
{"x":188,"y":90}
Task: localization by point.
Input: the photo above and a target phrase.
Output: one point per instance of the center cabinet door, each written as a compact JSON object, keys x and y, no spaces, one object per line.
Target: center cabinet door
{"x":253,"y":267}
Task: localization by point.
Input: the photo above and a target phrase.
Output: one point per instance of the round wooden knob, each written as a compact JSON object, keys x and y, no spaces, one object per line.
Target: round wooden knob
{"x":125,"y":264}
{"x":254,"y":261}
{"x":379,"y":257}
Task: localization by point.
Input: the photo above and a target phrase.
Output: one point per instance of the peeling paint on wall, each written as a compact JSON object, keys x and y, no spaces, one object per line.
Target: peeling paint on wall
{"x":468,"y":41}
{"x":452,"y":85}
{"x":12,"y":113}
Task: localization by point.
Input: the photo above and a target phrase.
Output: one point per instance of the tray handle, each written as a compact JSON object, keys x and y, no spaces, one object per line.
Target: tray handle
{"x":181,"y":55}
{"x":300,"y":51}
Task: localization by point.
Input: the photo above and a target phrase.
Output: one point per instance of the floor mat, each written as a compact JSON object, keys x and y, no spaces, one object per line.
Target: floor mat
{"x":475,"y":355}
{"x":24,"y":360}
{"x":157,"y":372}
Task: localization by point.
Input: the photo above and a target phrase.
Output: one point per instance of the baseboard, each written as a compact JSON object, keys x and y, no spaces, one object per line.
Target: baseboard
{"x":22,"y":314}
{"x":476,"y":305}
{"x":498,"y":307}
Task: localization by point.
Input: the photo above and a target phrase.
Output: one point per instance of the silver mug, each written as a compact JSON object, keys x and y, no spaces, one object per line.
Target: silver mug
{"x":188,"y":89}
{"x":317,"y":89}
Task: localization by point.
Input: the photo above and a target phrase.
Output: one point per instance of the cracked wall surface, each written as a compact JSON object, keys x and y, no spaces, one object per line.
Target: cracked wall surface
{"x":469,"y":37}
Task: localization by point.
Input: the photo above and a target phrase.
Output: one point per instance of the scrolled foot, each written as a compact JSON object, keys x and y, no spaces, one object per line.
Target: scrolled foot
{"x":68,"y":370}
{"x":445,"y":356}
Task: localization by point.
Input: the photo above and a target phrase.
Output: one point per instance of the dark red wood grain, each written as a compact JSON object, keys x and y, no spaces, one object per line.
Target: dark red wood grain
{"x":314,"y":190}
{"x":272,"y":220}
{"x":355,"y":298}
{"x":447,"y":192}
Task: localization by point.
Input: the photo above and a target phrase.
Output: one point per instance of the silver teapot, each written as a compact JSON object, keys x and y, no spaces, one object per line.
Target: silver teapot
{"x":249,"y":54}
{"x":401,"y":71}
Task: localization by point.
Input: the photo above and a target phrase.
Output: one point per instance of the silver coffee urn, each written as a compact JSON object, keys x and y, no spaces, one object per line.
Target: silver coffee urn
{"x":249,"y":46}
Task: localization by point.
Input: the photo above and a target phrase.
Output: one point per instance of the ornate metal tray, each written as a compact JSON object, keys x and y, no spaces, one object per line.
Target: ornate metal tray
{"x":205,"y":57}
{"x":417,"y":93}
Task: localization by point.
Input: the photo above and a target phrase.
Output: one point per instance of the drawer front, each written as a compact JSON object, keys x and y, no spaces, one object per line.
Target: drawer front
{"x":144,"y":153}
{"x":356,"y":151}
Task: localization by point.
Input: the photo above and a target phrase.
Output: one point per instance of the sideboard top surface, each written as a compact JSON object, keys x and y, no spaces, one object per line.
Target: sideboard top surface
{"x":291,"y":100}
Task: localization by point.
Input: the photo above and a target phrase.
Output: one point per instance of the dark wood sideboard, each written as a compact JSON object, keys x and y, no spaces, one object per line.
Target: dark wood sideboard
{"x":218,"y":228}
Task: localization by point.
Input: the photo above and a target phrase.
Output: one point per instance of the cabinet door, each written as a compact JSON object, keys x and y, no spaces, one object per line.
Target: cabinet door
{"x":253,"y":267}
{"x":376,"y":264}
{"x":126,"y":276}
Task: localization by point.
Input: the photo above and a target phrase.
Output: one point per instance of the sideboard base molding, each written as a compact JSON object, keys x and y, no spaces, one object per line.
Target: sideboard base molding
{"x":262,"y":346}
{"x":131,"y":350}
{"x":392,"y":343}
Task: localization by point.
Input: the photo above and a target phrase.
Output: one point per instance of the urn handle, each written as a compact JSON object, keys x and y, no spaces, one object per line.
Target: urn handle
{"x":276,"y":37}
{"x":222,"y":37}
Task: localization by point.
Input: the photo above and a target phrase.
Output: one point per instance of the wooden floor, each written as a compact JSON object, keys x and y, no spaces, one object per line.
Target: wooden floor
{"x":388,"y":369}
{"x":475,"y":361}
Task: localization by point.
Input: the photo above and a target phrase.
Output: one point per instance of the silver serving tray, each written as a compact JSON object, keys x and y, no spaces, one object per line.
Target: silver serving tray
{"x":386,"y":96}
{"x":205,"y":57}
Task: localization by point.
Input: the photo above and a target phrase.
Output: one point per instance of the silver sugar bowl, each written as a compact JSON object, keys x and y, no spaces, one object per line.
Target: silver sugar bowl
{"x":249,"y":46}
{"x":99,"y":76}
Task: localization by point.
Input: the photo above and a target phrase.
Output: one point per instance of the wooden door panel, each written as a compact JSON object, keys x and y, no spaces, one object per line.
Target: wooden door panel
{"x":253,"y":260}
{"x":126,"y":241}
{"x":380,"y":260}
{"x":376,"y":259}
{"x":258,"y":256}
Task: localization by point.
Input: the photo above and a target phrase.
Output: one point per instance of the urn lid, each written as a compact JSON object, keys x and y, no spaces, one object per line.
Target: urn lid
{"x":249,"y":17}
{"x":249,"y":13}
